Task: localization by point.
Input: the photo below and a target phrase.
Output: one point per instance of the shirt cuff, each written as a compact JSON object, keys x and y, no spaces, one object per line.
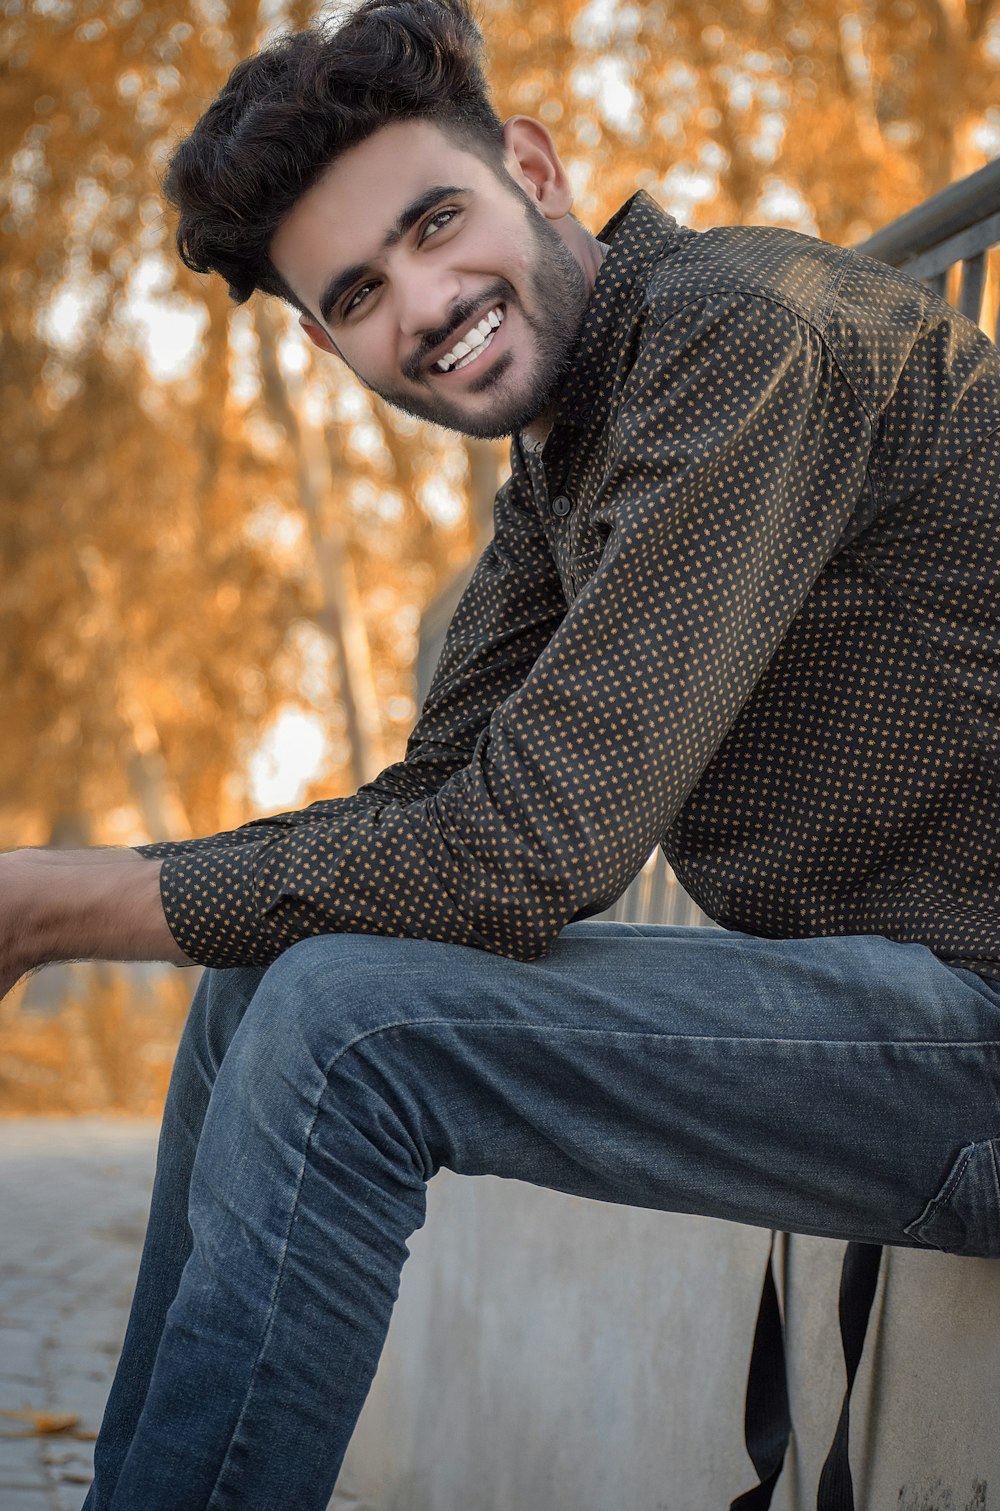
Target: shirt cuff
{"x":209,"y":900}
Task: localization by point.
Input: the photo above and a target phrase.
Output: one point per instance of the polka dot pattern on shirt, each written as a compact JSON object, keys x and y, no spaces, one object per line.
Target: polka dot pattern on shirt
{"x":741,"y":604}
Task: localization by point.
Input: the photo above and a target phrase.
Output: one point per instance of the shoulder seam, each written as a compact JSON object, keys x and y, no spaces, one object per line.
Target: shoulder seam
{"x":770,"y":298}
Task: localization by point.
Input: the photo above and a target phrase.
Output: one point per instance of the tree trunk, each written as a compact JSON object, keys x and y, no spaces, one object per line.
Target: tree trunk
{"x":341,"y":616}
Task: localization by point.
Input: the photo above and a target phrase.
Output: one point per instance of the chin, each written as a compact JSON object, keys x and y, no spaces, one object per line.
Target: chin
{"x":497,"y":415}
{"x":496,"y":424}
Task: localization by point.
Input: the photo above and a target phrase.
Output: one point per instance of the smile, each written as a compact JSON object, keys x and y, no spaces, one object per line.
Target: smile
{"x":473,"y":343}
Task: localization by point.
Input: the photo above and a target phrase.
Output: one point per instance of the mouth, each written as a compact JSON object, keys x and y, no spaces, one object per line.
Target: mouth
{"x":472,"y":345}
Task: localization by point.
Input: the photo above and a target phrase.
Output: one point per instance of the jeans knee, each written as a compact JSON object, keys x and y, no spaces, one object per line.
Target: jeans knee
{"x":217,"y":1009}
{"x":342,"y":987}
{"x":349,"y":1024}
{"x":327,"y":1001}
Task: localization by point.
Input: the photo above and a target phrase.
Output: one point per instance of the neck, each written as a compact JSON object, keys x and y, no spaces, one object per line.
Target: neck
{"x":589,"y":253}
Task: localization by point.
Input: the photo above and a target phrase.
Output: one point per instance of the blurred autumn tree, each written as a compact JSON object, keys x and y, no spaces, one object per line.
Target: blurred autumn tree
{"x":189,"y":549}
{"x":183,"y":554}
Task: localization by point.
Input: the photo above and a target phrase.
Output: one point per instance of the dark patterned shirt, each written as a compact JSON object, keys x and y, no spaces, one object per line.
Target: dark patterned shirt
{"x":743,"y":604}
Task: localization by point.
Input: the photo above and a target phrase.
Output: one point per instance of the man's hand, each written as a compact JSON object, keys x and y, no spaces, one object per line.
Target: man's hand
{"x":80,"y":905}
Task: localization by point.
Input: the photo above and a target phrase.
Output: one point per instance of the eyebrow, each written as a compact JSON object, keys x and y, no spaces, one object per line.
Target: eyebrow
{"x":405,"y":221}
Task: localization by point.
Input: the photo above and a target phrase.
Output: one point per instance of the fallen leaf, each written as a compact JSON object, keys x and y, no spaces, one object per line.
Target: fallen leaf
{"x":41,"y":1423}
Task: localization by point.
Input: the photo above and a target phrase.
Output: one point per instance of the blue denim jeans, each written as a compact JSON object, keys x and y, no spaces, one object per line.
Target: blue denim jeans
{"x":847,"y":1087}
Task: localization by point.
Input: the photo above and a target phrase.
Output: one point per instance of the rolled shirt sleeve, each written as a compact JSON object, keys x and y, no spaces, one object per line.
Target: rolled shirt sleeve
{"x":720,"y":505}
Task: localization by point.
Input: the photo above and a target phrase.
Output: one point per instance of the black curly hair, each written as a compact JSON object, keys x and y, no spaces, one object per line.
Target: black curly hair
{"x":288,"y":111}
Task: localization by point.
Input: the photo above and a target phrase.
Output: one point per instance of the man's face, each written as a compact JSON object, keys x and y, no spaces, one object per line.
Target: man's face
{"x":448,"y":292}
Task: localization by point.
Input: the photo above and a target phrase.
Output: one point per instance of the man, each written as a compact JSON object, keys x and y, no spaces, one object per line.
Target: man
{"x":740,"y":601}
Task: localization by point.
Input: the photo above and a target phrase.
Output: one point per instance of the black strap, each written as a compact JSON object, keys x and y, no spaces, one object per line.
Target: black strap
{"x":858,"y":1283}
{"x":767,"y":1420}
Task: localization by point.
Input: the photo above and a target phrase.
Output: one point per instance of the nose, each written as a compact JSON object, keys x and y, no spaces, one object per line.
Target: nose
{"x":425,"y":297}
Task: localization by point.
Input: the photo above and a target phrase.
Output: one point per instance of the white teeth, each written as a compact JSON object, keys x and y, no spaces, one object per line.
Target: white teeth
{"x":479,"y":336}
{"x":474,"y":354}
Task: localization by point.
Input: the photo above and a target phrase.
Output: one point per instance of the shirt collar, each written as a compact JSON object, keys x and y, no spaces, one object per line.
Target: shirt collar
{"x":638,"y":234}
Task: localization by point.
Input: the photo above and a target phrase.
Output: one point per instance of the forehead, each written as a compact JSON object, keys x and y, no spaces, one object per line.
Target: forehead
{"x":344,"y":217}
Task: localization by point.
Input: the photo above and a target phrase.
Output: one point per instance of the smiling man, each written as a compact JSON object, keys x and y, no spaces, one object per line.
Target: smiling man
{"x":740,"y":602}
{"x":466,"y":308}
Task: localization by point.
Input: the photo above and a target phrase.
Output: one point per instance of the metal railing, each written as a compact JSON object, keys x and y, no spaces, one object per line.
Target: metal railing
{"x":656,"y":896}
{"x":956,"y":227}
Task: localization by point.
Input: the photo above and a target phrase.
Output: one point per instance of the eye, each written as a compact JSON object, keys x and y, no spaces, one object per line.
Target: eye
{"x":437,"y":222}
{"x":356,"y":299}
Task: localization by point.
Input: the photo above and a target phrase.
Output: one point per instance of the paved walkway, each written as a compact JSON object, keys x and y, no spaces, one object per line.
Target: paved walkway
{"x":74,"y":1193}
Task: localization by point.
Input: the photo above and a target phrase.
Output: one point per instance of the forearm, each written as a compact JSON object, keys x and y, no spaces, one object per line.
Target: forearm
{"x":101,"y":904}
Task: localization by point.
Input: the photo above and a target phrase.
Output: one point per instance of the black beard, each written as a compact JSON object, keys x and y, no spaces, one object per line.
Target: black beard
{"x":560,"y":294}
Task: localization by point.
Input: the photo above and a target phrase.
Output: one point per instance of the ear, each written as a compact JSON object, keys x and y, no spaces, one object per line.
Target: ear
{"x":317,"y":335}
{"x":534,"y":163}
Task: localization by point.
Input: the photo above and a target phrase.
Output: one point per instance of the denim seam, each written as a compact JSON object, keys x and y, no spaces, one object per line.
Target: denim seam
{"x":996,"y":1162}
{"x":620,"y":1033}
{"x":955,"y":1179}
{"x":271,"y":1307}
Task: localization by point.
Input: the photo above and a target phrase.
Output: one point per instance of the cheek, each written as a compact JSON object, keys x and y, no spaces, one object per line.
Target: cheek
{"x":517,"y":258}
{"x":499,"y":252}
{"x":368,"y":350}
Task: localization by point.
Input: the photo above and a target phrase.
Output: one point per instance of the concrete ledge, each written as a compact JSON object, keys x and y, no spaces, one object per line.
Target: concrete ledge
{"x":554,"y":1354}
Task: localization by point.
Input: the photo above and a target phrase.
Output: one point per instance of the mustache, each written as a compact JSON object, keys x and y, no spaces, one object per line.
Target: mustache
{"x":500,"y":291}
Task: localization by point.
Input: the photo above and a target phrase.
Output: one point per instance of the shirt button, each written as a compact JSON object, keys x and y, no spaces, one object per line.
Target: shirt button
{"x":561,"y":505}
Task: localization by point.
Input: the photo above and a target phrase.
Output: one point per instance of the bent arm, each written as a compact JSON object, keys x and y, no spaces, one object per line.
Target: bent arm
{"x":564,"y":742}
{"x":722,"y":506}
